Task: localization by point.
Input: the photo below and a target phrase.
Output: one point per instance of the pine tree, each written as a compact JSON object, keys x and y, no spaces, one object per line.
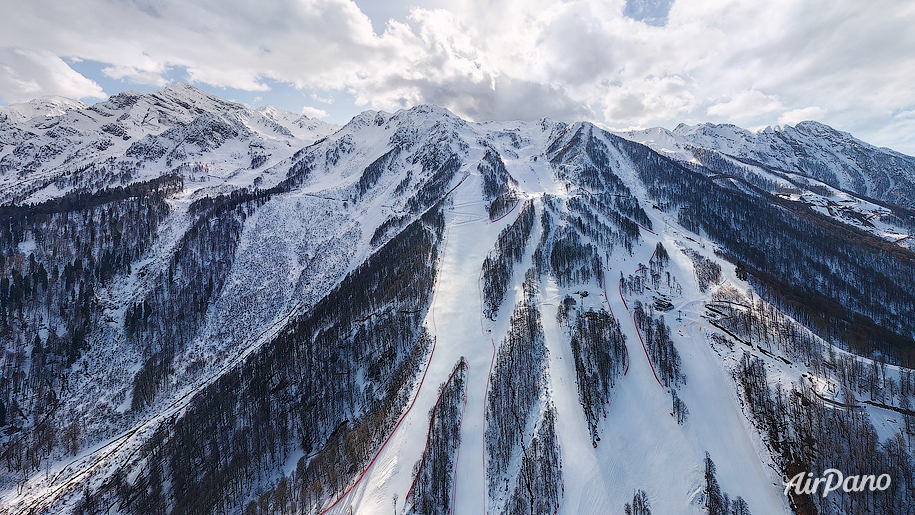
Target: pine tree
{"x":739,"y":507}
{"x":741,"y":272}
{"x":713,"y":498}
{"x":640,"y":504}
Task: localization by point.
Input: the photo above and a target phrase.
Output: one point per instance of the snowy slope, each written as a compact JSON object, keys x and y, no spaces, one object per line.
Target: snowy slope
{"x":328,"y":198}
{"x":133,"y":136}
{"x":641,"y":446}
{"x":809,"y":149}
{"x":48,"y":106}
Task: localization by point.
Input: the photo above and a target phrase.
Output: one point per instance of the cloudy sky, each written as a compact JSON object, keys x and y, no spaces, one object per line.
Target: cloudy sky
{"x":619,"y":63}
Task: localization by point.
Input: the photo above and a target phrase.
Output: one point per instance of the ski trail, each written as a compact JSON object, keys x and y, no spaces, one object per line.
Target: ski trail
{"x":454,"y":312}
{"x":603,"y":286}
{"x":438,"y":401}
{"x":572,"y":433}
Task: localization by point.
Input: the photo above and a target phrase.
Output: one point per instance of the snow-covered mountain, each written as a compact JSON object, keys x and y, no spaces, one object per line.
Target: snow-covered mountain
{"x":808,"y":149}
{"x":234,"y":310}
{"x":50,"y":147}
{"x":40,"y":107}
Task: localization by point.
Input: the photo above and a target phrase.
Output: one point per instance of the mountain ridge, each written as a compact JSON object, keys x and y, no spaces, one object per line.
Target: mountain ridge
{"x":212,"y":331}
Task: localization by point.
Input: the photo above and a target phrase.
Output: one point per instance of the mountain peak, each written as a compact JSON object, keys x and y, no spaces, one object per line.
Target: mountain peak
{"x":820,"y":129}
{"x":431,"y":109}
{"x":44,"y":106}
{"x":428,"y":112}
{"x":183,"y":92}
{"x":184,"y":87}
{"x":267,"y":110}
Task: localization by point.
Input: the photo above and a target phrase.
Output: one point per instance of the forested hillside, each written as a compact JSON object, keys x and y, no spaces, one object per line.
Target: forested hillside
{"x":206,"y":308}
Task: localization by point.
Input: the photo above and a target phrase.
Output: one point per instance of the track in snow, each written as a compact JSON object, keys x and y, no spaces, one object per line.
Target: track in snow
{"x":509,"y":211}
{"x":637,"y":332}
{"x":646,"y":350}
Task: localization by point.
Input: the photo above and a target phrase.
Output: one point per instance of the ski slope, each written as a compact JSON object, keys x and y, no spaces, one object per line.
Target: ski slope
{"x":297,"y":245}
{"x":641,"y":445}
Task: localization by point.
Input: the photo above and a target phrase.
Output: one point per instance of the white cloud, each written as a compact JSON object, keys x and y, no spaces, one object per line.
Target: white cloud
{"x":149,"y":73}
{"x":726,"y":60}
{"x":745,"y":104}
{"x":799,"y":115}
{"x":28,"y":74}
{"x":314,"y":112}
{"x":329,"y":99}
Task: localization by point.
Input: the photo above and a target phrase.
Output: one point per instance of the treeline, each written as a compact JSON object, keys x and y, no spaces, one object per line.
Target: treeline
{"x":583,"y":216}
{"x":332,"y":384}
{"x":539,"y":484}
{"x":508,"y":251}
{"x":435,"y":180}
{"x":869,"y":378}
{"x":304,"y":163}
{"x":388,"y":226}
{"x":404,"y":183}
{"x":712,"y":160}
{"x":569,"y":249}
{"x":208,"y":207}
{"x":656,"y":335}
{"x":842,"y":282}
{"x":172,"y":311}
{"x":87,"y":178}
{"x":716,"y":501}
{"x":16,"y":214}
{"x":806,"y":436}
{"x":580,"y":157}
{"x":375,"y":170}
{"x":571,"y":261}
{"x":599,"y":350}
{"x":753,"y":321}
{"x":515,"y":385}
{"x":584,"y":160}
{"x":96,"y":176}
{"x":433,"y":474}
{"x":439,"y":166}
{"x":168,"y":318}
{"x":708,"y":272}
{"x":497,"y":184}
{"x":54,"y":256}
{"x":664,"y":356}
{"x":193,"y":172}
{"x":756,"y":323}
